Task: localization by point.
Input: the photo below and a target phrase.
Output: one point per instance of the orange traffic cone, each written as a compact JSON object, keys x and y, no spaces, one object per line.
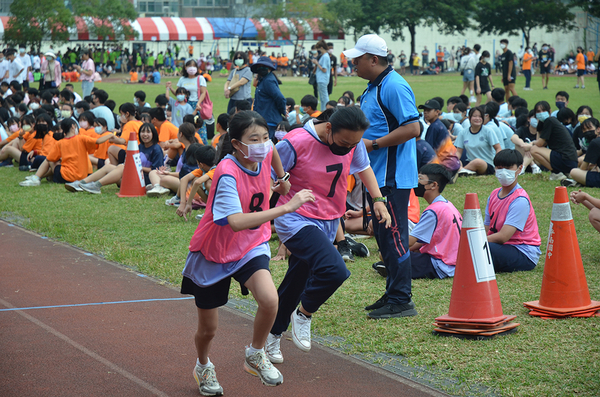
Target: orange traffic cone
{"x":132,"y":183}
{"x":475,"y":307}
{"x":565,"y":291}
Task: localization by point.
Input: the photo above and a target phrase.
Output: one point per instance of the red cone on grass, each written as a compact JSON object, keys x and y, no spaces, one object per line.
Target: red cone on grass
{"x":132,"y":182}
{"x":475,"y":307}
{"x":565,"y":291}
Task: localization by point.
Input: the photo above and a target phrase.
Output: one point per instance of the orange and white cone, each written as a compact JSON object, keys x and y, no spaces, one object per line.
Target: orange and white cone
{"x":565,"y":291}
{"x":475,"y":307}
{"x":132,"y":182}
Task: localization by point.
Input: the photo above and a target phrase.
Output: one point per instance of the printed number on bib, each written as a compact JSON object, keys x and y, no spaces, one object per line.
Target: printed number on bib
{"x":256,"y":204}
{"x":481,"y":255}
{"x":338,"y":172}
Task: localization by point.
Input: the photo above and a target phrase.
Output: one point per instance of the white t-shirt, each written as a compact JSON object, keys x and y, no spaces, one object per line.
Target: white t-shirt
{"x":191,"y":84}
{"x":26,"y":61}
{"x":3,"y":68}
{"x":14,"y":69}
{"x":37,"y":62}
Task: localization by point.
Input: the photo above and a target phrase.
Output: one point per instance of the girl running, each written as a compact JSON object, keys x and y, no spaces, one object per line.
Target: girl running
{"x":231,"y":241}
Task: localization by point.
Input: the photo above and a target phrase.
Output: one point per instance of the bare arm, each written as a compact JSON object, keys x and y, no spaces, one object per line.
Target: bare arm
{"x":379,"y":208}
{"x":503,"y":235}
{"x":400,"y":135}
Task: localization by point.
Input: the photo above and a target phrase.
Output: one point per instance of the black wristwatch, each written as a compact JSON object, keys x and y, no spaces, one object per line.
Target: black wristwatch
{"x":374,"y":144}
{"x":285,"y":177}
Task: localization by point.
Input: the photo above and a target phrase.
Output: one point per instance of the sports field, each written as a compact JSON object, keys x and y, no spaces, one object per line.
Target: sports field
{"x":544,"y":358}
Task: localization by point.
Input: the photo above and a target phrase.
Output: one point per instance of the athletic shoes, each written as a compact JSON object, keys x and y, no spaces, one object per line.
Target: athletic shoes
{"x":259,"y":365}
{"x":472,"y":99}
{"x":300,"y":330}
{"x":199,"y":217}
{"x":273,"y":348}
{"x":92,"y":187}
{"x":394,"y":311}
{"x":23,"y":168}
{"x":557,"y":177}
{"x":7,"y":163}
{"x":380,"y":268}
{"x":345,"y":251}
{"x":173,"y":201}
{"x":34,"y":181}
{"x":570,"y":183}
{"x":74,"y":187}
{"x":466,"y":172}
{"x":207,"y":381}
{"x":381,"y":302}
{"x":157,"y":191}
{"x":535,"y":169}
{"x":358,"y":249}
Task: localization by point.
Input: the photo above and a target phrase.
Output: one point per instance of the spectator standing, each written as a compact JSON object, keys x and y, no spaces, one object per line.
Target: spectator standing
{"x":425,"y":55}
{"x":323,"y":72}
{"x":238,"y":88}
{"x":389,"y":104}
{"x":402,"y":57}
{"x":528,"y":58}
{"x":545,"y":58}
{"x":51,"y":72}
{"x":334,"y":65}
{"x":15,"y":68}
{"x":269,"y":102}
{"x":86,"y":71}
{"x":509,"y":70}
{"x":26,"y":62}
{"x":440,"y":59}
{"x":483,"y":78}
{"x":580,"y":60}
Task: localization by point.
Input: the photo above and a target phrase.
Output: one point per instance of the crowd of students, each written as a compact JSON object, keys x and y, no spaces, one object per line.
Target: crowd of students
{"x":315,"y":187}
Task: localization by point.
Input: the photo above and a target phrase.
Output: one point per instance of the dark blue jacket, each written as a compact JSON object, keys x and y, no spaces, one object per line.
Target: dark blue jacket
{"x":269,"y":102}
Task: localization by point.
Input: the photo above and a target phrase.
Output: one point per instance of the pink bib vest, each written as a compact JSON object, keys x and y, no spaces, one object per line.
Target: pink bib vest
{"x":221,"y":244}
{"x":446,"y":236}
{"x":321,"y":171}
{"x":498,"y":208}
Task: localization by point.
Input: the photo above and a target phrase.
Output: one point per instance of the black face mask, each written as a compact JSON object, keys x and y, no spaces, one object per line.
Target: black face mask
{"x":262,"y":71}
{"x":42,"y":128}
{"x":337,"y":149}
{"x":58,"y":136}
{"x":589,"y":136}
{"x":419,"y":190}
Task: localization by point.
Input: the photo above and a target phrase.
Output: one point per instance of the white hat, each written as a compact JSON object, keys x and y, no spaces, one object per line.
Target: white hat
{"x":50,"y":54}
{"x":368,"y":44}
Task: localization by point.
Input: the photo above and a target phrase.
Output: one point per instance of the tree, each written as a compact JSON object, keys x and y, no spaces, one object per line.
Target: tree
{"x":239,"y":24}
{"x":347,"y":16}
{"x":592,"y":7}
{"x":514,"y":16}
{"x":34,"y":21}
{"x":110,"y":18}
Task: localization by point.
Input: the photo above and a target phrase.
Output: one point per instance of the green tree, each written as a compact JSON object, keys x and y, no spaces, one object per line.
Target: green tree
{"x":514,"y":16}
{"x":592,"y":7}
{"x":33,"y":21}
{"x":113,"y":18}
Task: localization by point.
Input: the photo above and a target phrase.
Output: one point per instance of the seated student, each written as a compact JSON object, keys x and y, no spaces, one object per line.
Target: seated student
{"x":14,"y":129}
{"x":461,"y":114}
{"x":307,"y":109}
{"x":522,"y":138}
{"x":591,"y":203}
{"x":242,"y":106}
{"x":180,"y":107}
{"x":331,"y":105}
{"x":290,"y":105}
{"x":498,"y":95}
{"x":139,"y":98}
{"x":587,"y":174}
{"x":33,"y":159}
{"x":163,"y":179}
{"x":200,"y":126}
{"x":450,"y":103}
{"x":100,"y":156}
{"x":150,"y":155}
{"x":510,"y":222}
{"x":480,"y":144}
{"x":560,"y":155}
{"x":161,"y":101}
{"x":439,"y":137}
{"x":26,"y":142}
{"x":434,"y":240}
{"x":85,"y":122}
{"x":489,"y":120}
{"x":568,"y":119}
{"x":562,"y":102}
{"x":68,"y":159}
{"x":200,"y":180}
{"x":222,"y":125}
{"x":129,"y":123}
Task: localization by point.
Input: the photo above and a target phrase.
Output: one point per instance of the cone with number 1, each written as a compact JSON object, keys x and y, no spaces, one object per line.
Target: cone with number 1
{"x":132,"y":182}
{"x":475,"y":307}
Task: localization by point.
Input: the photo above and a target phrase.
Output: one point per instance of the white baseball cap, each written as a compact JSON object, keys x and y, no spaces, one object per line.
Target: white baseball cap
{"x":368,"y":44}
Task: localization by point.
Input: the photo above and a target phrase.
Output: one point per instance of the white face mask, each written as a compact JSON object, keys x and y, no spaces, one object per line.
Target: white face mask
{"x":84,"y":124}
{"x":34,"y":105}
{"x":98,"y":130}
{"x":258,"y":151}
{"x":503,"y":46}
{"x":281,"y":134}
{"x":533,"y":122}
{"x":506,"y":177}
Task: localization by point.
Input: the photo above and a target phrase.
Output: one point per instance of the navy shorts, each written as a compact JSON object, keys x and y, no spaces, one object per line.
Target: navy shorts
{"x":506,"y":82}
{"x":508,"y":258}
{"x":101,"y":163}
{"x":57,"y":177}
{"x":121,"y":156}
{"x":560,"y":164}
{"x":592,"y":179}
{"x":580,"y":72}
{"x":422,"y":266}
{"x":217,"y":294}
{"x":545,"y":70}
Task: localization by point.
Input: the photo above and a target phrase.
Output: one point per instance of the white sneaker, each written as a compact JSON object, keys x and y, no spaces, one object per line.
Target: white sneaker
{"x":35,"y":181}
{"x":259,"y":365}
{"x":300,"y":331}
{"x":207,"y":381}
{"x":535,"y":169}
{"x":465,"y":171}
{"x":173,"y":201}
{"x":557,"y":177}
{"x":472,"y":99}
{"x":73,"y":187}
{"x":157,"y":191}
{"x":273,"y":348}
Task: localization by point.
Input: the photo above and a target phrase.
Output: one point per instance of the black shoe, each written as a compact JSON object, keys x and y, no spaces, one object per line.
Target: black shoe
{"x":345,"y":251}
{"x":23,"y":168}
{"x":393,"y":311}
{"x":358,"y":249}
{"x":381,"y":302}
{"x":379,"y":267}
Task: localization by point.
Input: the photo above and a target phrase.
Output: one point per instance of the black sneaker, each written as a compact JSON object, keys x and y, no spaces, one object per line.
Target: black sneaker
{"x":23,"y":168}
{"x":345,"y":251}
{"x":358,"y":249}
{"x":379,"y":267}
{"x":381,"y":302}
{"x":393,"y":311}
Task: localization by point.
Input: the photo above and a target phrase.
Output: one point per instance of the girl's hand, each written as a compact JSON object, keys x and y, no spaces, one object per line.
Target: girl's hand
{"x":381,"y":213}
{"x":303,"y":196}
{"x":578,"y":197}
{"x":184,"y":210}
{"x":168,"y":85}
{"x":350,"y":214}
{"x":30,"y":156}
{"x":282,"y":187}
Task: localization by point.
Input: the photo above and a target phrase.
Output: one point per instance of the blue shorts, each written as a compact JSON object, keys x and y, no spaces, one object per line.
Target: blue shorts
{"x":57,"y":177}
{"x":217,"y":294}
{"x":422,"y":266}
{"x":592,"y":179}
{"x":560,"y":164}
{"x":508,"y":258}
{"x":101,"y":163}
{"x":468,"y":75}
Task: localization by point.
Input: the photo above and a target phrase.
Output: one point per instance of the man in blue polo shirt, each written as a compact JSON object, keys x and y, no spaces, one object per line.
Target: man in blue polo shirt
{"x":389,"y":104}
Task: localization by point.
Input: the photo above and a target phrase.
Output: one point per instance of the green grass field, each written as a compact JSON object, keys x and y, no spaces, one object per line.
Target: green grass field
{"x":544,"y":358}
